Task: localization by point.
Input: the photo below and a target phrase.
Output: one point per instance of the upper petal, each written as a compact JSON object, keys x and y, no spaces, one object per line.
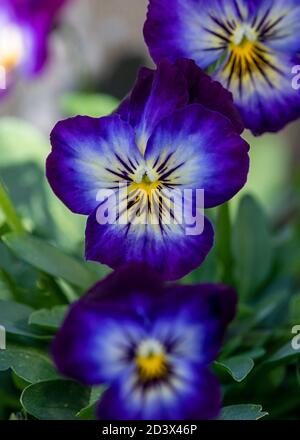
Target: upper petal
{"x":210,"y":93}
{"x":155,"y":95}
{"x":199,"y":149}
{"x":89,"y":155}
{"x":206,"y":310}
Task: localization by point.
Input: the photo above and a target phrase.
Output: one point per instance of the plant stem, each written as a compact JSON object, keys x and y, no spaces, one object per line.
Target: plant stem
{"x":11,"y":216}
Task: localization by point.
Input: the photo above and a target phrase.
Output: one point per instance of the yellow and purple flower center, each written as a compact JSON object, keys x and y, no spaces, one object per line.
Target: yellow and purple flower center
{"x":248,"y":57}
{"x":151,"y":361}
{"x":11,"y":47}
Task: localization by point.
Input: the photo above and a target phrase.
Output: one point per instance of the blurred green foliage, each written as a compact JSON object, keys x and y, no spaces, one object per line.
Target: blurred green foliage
{"x":42,"y":271}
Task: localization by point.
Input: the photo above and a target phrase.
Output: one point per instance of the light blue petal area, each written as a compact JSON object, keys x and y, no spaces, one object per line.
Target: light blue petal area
{"x":93,"y":345}
{"x":278,"y":23}
{"x":194,"y":395}
{"x":196,"y":148}
{"x":186,"y":338}
{"x":89,"y":155}
{"x":196,"y":29}
{"x":270,"y":99}
{"x":164,"y":247}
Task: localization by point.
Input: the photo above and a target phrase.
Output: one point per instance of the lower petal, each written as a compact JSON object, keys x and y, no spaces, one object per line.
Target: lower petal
{"x":169,"y":251}
{"x":195,"y":398}
{"x":269,"y":100}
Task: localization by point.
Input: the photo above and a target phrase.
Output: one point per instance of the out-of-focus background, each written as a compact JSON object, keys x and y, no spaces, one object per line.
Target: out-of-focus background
{"x":99,"y":44}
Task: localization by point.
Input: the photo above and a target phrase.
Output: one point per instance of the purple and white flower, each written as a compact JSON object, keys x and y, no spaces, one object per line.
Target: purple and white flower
{"x":252,"y":46}
{"x":151,"y":345}
{"x":177,"y":130}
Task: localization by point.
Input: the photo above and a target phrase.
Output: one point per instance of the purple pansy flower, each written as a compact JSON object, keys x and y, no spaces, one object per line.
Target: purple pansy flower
{"x":24,"y":30}
{"x":177,"y":130}
{"x":151,"y":344}
{"x":255,"y":44}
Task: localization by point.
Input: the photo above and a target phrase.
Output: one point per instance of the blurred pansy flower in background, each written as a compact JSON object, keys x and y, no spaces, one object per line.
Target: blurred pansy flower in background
{"x":151,"y":345}
{"x":24,"y":29}
{"x":178,"y":130}
{"x":250,"y":45}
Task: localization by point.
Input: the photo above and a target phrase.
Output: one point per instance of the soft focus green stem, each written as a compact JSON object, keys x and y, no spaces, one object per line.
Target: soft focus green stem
{"x":223,"y":243}
{"x":9,"y":211}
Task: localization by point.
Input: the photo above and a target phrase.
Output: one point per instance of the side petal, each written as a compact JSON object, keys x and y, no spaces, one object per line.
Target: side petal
{"x":89,"y":155}
{"x":268,"y":100}
{"x":165,"y":248}
{"x":211,"y":94}
{"x":92,"y":344}
{"x":200,"y":315}
{"x":199,"y":149}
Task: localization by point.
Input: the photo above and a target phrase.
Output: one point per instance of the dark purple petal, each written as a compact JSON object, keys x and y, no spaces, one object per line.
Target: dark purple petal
{"x":166,"y":249}
{"x":212,"y":306}
{"x":155,"y":95}
{"x":211,"y":94}
{"x":35,"y":10}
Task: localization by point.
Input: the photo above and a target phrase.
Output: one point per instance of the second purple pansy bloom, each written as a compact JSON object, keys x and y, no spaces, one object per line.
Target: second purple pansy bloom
{"x":153,"y":345}
{"x":177,"y":130}
{"x":251,"y":45}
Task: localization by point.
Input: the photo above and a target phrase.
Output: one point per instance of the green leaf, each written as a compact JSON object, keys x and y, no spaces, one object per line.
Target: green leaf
{"x":89,"y":412}
{"x":50,"y":259}
{"x":94,"y":105}
{"x":8,"y":210}
{"x":242,"y":412}
{"x":14,"y":318}
{"x":252,"y":246}
{"x":295,"y":308}
{"x":48,"y":319}
{"x":55,"y":400}
{"x":29,"y":364}
{"x":7,"y":287}
{"x":237,"y":366}
{"x":285,"y":354}
{"x":223,"y":243}
{"x":24,"y":150}
{"x":213,"y":67}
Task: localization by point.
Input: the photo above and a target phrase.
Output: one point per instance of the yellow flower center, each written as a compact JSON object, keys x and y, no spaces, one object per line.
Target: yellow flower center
{"x":146,"y":185}
{"x":243,"y":42}
{"x":11,"y":47}
{"x":151,"y":361}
